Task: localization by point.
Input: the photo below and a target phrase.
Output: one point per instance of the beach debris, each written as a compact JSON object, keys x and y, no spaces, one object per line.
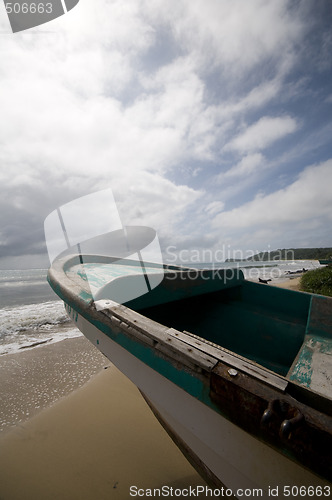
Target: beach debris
{"x":266,"y":282}
{"x":299,"y":271}
{"x":34,"y":344}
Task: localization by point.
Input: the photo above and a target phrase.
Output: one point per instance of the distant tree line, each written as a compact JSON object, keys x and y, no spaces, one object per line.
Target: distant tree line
{"x":294,"y":253}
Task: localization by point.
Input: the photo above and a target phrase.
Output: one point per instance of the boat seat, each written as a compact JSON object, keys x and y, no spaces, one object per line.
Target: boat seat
{"x":312,"y":366}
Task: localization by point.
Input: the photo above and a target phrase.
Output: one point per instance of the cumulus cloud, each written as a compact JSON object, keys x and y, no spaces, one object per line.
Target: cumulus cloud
{"x":214,"y":207}
{"x":64,"y":136}
{"x":307,"y":199}
{"x":235,"y":37}
{"x":248,"y":165}
{"x":263,"y":133}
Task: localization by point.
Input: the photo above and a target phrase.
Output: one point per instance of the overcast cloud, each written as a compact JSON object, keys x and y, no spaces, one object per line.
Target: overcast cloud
{"x":210,"y":120}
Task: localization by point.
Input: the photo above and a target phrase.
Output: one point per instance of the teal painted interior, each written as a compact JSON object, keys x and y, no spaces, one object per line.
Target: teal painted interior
{"x":189,"y":283}
{"x":265,"y":324}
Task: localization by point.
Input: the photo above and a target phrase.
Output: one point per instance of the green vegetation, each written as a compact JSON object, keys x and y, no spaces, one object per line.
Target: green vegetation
{"x":318,"y":281}
{"x":294,"y":254}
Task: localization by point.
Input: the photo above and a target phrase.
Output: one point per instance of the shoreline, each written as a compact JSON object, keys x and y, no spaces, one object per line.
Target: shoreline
{"x":37,"y":377}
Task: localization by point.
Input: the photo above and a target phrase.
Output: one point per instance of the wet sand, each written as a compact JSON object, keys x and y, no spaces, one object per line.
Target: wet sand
{"x":94,"y":443}
{"x":35,"y":378}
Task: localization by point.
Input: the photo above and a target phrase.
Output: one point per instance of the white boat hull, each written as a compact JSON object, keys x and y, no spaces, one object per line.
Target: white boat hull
{"x":238,"y":460}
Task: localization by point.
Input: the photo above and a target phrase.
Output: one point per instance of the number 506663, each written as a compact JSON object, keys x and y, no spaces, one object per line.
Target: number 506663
{"x":29,"y":8}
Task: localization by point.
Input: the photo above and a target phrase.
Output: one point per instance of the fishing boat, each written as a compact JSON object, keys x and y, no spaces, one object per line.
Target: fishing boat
{"x":238,"y":373}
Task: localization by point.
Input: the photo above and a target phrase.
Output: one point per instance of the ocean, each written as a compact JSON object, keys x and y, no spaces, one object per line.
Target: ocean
{"x":31,"y":313}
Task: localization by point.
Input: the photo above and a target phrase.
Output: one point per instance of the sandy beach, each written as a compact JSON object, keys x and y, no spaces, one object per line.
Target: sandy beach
{"x":289,"y":283}
{"x":94,"y":443}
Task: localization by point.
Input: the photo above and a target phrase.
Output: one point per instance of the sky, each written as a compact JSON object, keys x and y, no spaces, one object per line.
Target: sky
{"x":210,"y":121}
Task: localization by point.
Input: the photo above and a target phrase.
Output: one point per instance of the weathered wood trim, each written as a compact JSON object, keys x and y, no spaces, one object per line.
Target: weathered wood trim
{"x":165,"y":340}
{"x":243,"y":400}
{"x":235,"y":360}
